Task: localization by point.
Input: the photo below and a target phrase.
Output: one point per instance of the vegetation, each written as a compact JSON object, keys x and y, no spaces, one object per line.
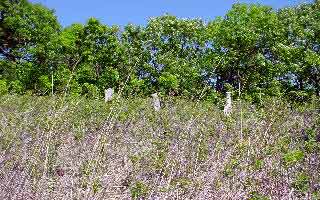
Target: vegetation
{"x":53,"y":148}
{"x":266,"y":52}
{"x":59,"y":140}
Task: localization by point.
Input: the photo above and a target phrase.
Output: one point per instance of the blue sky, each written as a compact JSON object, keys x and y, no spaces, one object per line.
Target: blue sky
{"x":122,"y":12}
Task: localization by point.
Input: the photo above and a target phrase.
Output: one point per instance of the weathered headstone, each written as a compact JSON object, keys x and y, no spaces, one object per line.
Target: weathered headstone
{"x":156,"y":102}
{"x":108,"y":94}
{"x":228,"y":107}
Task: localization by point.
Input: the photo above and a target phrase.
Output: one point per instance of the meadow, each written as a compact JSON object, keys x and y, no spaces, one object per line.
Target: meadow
{"x":77,"y":148}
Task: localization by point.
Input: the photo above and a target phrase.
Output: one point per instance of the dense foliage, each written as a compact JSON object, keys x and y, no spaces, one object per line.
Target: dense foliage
{"x":263,"y":51}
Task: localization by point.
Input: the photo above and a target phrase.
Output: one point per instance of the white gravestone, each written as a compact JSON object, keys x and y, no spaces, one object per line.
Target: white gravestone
{"x":156,"y":102}
{"x":108,"y":94}
{"x":228,"y":107}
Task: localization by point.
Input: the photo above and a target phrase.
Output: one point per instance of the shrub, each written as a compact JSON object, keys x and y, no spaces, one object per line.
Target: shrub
{"x":301,"y":182}
{"x":168,"y":82}
{"x":44,"y":84}
{"x":3,"y":87}
{"x":293,"y":157}
{"x":257,"y":196}
{"x":91,"y":91}
{"x":16,"y":87}
{"x":139,"y":190}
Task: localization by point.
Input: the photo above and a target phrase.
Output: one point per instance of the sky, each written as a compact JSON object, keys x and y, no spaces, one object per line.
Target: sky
{"x":122,"y":12}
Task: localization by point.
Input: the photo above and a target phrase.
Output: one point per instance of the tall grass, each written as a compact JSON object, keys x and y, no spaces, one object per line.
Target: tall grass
{"x":52,"y":148}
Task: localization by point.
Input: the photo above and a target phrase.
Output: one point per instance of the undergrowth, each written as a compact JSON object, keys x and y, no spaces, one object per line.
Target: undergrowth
{"x":55,"y":148}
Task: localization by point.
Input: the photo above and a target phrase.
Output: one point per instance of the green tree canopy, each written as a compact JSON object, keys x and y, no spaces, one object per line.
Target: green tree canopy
{"x":262,"y":50}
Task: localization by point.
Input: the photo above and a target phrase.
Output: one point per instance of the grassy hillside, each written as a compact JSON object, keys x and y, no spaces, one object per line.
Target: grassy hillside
{"x":52,"y":148}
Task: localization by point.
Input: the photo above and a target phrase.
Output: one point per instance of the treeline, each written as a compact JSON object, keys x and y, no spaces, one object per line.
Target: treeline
{"x":263,"y":51}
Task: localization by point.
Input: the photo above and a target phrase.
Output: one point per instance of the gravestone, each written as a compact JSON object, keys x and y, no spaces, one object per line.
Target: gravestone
{"x":108,"y":94}
{"x":156,"y":102}
{"x":228,"y":106}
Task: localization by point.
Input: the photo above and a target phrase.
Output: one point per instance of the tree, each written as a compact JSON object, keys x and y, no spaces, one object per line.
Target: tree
{"x":243,"y":45}
{"x":27,"y":33}
{"x":176,"y":47}
{"x":264,"y":51}
{"x":136,"y":59}
{"x":301,"y":51}
{"x":101,"y":51}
